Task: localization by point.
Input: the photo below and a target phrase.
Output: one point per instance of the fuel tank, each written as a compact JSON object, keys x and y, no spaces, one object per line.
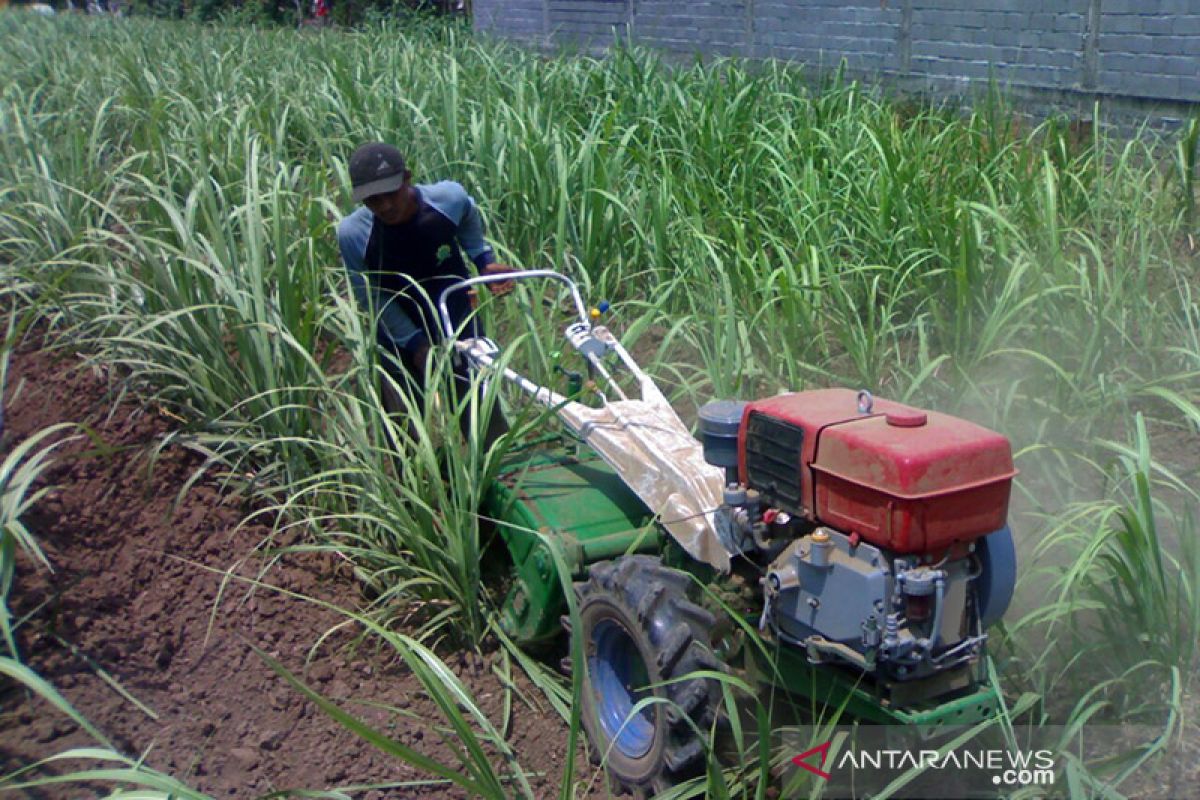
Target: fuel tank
{"x":903,"y":479}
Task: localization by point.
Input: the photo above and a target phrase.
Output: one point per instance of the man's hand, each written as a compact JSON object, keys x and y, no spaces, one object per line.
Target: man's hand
{"x":500,"y":287}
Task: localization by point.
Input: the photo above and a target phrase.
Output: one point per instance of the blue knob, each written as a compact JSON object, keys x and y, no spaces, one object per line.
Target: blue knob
{"x":603,"y":306}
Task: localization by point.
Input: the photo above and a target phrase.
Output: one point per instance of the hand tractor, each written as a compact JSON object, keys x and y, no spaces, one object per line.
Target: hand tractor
{"x":866,"y":540}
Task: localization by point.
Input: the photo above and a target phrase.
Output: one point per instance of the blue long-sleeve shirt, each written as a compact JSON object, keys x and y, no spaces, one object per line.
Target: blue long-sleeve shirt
{"x":399,"y":271}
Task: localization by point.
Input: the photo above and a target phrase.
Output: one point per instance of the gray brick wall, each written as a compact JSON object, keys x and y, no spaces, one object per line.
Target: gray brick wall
{"x":587,"y":21}
{"x":1144,"y":51}
{"x":1150,"y":55}
{"x":1013,"y":41}
{"x":513,"y":19}
{"x":713,"y":26}
{"x":824,"y":32}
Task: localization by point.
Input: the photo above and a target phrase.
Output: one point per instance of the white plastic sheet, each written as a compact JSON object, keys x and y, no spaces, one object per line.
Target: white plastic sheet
{"x":648,"y":446}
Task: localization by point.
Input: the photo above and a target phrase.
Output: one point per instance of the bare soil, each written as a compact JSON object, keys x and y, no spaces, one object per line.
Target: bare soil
{"x":140,"y":559}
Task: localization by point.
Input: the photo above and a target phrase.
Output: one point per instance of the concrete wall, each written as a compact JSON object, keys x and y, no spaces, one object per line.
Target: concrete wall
{"x":1143,"y":55}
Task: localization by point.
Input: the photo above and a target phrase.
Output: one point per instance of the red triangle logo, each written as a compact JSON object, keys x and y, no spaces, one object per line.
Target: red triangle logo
{"x":801,"y":760}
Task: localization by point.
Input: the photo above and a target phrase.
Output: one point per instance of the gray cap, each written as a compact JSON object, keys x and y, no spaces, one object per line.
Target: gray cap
{"x":376,"y":168}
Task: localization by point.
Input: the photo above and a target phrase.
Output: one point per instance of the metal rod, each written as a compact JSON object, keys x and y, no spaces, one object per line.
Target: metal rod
{"x":604,"y":373}
{"x":520,"y":275}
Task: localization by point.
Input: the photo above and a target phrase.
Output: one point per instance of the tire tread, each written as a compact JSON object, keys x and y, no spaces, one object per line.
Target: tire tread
{"x":678,"y":630}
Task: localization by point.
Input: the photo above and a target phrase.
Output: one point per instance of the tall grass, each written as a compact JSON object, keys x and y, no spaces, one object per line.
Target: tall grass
{"x":907,"y":249}
{"x":1133,"y":554}
{"x":169,"y":198}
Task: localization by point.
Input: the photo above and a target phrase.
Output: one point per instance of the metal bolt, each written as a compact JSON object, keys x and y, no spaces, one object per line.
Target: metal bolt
{"x":865,"y":402}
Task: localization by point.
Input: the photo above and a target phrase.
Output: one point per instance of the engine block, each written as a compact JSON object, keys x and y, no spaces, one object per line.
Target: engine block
{"x":847,"y":601}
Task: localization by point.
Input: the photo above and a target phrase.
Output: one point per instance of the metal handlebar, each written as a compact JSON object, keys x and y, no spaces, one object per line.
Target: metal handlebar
{"x":520,"y":275}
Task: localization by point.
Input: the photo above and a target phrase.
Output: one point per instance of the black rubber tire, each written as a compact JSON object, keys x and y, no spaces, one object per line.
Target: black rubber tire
{"x":640,"y":598}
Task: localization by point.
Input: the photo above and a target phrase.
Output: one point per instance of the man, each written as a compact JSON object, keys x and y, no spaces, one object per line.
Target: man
{"x":401,"y":249}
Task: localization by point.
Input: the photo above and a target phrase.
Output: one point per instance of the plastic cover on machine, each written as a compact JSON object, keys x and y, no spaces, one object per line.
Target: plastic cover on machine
{"x":649,"y":447}
{"x":657,"y":457}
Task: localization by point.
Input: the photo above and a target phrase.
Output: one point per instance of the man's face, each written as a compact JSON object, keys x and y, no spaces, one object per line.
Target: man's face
{"x":393,"y":208}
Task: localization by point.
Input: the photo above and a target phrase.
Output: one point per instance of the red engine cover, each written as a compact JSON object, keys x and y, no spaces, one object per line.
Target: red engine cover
{"x":903,"y":479}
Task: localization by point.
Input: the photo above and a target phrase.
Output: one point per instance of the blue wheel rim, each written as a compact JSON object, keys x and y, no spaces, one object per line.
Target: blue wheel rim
{"x":998,"y":576}
{"x":618,"y":674}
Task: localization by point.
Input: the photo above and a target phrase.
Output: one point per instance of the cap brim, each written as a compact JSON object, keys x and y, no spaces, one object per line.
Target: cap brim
{"x":381,"y":186}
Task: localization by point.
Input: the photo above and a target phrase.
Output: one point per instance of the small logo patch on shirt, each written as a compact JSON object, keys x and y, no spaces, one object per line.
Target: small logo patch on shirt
{"x":443,"y":253}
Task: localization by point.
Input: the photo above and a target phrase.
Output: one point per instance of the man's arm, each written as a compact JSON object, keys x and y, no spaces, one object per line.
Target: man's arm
{"x":452,"y":201}
{"x":470,"y":236}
